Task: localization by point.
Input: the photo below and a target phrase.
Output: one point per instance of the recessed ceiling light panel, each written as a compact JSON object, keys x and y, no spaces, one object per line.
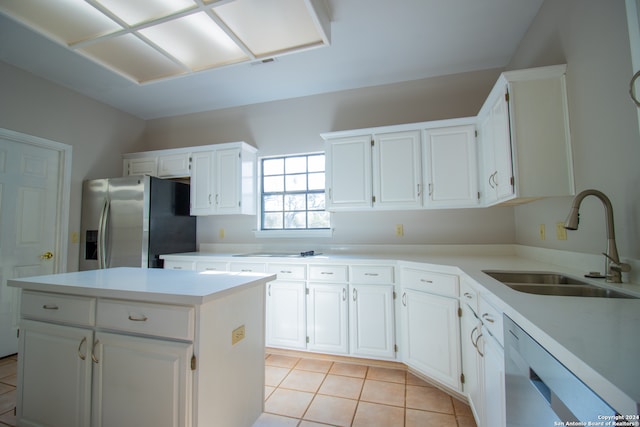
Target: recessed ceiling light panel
{"x":135,"y":12}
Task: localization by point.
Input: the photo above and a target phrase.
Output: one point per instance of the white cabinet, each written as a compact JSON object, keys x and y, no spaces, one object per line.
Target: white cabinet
{"x":62,"y":356}
{"x":372,"y":321}
{"x":223,"y":181}
{"x":397,"y":173}
{"x":141,"y":166}
{"x":450,"y":167}
{"x":524,"y":132}
{"x":286,"y":314}
{"x":472,"y":367}
{"x":431,"y":325}
{"x":493,"y":390}
{"x":172,"y":163}
{"x":140,"y":381}
{"x":327,"y":318}
{"x":348,"y":173}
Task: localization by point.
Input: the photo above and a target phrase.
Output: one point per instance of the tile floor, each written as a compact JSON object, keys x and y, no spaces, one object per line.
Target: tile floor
{"x":307,"y":392}
{"x":312,"y":393}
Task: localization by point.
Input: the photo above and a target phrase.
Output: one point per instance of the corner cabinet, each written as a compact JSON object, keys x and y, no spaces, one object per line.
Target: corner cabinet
{"x":524,"y":133}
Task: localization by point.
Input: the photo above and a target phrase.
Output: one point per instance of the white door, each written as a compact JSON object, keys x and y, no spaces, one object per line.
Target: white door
{"x":285,"y":318}
{"x":348,"y":172}
{"x":501,"y":133}
{"x":227,"y":181}
{"x":202,"y":183}
{"x":31,"y":216}
{"x":372,"y":326}
{"x":327,"y":318}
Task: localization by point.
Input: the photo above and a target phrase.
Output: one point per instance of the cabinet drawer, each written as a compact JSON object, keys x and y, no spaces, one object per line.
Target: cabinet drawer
{"x":374,"y":274}
{"x":288,"y":271}
{"x":58,"y":308}
{"x":211,"y":266}
{"x":248,"y":267}
{"x":491,"y":319}
{"x":436,"y":283}
{"x":168,"y":321}
{"x":178,"y":265}
{"x":328,"y":273}
{"x":468,"y":295}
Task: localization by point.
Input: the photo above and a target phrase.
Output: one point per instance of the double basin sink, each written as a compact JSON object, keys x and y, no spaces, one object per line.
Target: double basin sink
{"x":545,"y":283}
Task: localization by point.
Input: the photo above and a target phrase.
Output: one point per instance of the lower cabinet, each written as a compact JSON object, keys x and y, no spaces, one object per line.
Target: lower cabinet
{"x":371,"y":321}
{"x":431,"y":325}
{"x":493,"y":390}
{"x":286,"y":315}
{"x":328,"y":318}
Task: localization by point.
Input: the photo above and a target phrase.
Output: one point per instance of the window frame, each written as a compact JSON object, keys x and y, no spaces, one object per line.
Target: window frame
{"x":287,"y":232}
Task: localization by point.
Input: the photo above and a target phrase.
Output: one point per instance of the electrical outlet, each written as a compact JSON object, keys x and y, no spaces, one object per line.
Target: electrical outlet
{"x":74,"y":237}
{"x":237,"y":335}
{"x":221,"y":233}
{"x":561,"y":232}
{"x":542,"y":232}
{"x":399,"y":230}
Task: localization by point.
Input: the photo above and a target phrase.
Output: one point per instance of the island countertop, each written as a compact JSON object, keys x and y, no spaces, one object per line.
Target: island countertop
{"x":141,"y":284}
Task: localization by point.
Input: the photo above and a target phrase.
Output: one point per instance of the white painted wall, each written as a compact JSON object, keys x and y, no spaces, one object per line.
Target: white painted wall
{"x":591,"y":37}
{"x":98,"y":134}
{"x":294,"y":126}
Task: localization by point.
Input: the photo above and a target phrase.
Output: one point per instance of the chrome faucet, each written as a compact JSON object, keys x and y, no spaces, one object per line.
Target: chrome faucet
{"x":613,"y":266}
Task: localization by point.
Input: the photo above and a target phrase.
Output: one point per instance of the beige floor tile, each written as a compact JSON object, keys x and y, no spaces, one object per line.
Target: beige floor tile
{"x":414,"y":380}
{"x":8,"y":418}
{"x":417,"y":418}
{"x":335,"y":411}
{"x":376,"y":415}
{"x":314,"y":365}
{"x":386,"y":374}
{"x":383,"y":392}
{"x":7,"y":401}
{"x":5,"y":388}
{"x":348,"y":370}
{"x":290,"y":403}
{"x":341,"y":386}
{"x":10,"y":380}
{"x":281,"y":361}
{"x":429,"y":399}
{"x":267,"y":391}
{"x":8,"y":369}
{"x":303,"y":380}
{"x":466,"y":422}
{"x":305,"y":423}
{"x":273,"y":375}
{"x":271,"y":420}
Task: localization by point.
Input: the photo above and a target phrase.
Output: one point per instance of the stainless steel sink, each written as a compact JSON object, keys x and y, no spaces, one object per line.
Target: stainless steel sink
{"x":549,"y":283}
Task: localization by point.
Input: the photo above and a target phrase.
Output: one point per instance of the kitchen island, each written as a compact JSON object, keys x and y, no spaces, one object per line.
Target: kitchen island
{"x":143,"y":347}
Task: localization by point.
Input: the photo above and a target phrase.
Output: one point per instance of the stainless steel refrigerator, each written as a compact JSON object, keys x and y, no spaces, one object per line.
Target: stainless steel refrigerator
{"x":131,"y":221}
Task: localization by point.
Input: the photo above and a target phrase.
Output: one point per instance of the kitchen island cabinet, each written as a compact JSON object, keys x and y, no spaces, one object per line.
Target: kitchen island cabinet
{"x":144,"y":347}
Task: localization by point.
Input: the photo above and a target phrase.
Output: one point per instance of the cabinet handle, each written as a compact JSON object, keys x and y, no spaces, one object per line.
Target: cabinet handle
{"x":143,"y":318}
{"x":80,"y":355}
{"x":329,"y":273}
{"x":50,"y":307}
{"x":404,"y":299}
{"x":475,"y":344}
{"x":468,"y":295}
{"x":471,"y":337}
{"x":418,"y":190}
{"x":355,"y":294}
{"x":176,"y":268}
{"x":269,"y":290}
{"x":285,"y":271}
{"x":492,"y":179}
{"x":426,"y":281}
{"x":209,"y":198}
{"x":371,"y":274}
{"x":430,"y":189}
{"x":217,"y":199}
{"x":344,"y":294}
{"x":488,"y":318}
{"x":246,"y":270}
{"x":93,"y":353}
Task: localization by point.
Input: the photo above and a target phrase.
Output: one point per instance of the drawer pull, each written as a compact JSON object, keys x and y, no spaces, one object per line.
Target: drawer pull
{"x":211,"y":269}
{"x":344,"y":294}
{"x":177,"y":268}
{"x":143,"y":318}
{"x":50,"y":307}
{"x":468,"y":295}
{"x":80,"y":355}
{"x":355,"y":294}
{"x":285,"y":271}
{"x":327,"y":272}
{"x":488,"y":318}
{"x":371,"y":274}
{"x":426,"y":281}
{"x":246,"y":270}
{"x":404,"y":299}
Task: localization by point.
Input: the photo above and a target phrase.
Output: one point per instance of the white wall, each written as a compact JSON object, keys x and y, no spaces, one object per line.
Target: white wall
{"x":294,"y":126}
{"x":591,"y":37}
{"x":98,"y":133}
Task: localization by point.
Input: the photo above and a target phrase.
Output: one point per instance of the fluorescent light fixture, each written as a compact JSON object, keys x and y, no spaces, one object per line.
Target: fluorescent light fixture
{"x":149,"y":40}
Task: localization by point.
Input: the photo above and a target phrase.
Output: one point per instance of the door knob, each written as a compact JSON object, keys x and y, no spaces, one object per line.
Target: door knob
{"x":46,"y":255}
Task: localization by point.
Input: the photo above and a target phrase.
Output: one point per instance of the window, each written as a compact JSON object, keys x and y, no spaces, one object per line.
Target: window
{"x":293,"y":193}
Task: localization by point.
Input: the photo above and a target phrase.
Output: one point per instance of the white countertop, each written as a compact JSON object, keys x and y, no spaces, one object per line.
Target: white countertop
{"x":141,"y":284}
{"x":597,"y":338}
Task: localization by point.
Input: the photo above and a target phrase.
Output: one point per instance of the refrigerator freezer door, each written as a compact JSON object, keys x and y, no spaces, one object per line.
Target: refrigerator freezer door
{"x":94,"y":195}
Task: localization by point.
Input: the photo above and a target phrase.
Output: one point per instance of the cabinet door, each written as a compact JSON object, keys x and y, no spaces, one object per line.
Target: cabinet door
{"x":285,"y":318}
{"x":451,"y":167}
{"x":432,"y":340}
{"x":501,"y":137}
{"x":327,"y":318}
{"x":493,"y":382}
{"x":202,"y":184}
{"x":372,"y":321}
{"x":54,"y":375}
{"x":141,"y":382}
{"x":471,"y":360}
{"x":174,"y":165}
{"x":488,"y":171}
{"x":348,"y":173}
{"x":227,"y":178}
{"x":142,"y":166}
{"x":397,"y":175}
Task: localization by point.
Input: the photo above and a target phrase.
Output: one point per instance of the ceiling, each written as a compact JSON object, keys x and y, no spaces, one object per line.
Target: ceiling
{"x":372,"y":42}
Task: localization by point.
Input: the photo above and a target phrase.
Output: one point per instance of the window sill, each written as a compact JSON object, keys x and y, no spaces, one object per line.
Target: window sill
{"x":293,"y":233}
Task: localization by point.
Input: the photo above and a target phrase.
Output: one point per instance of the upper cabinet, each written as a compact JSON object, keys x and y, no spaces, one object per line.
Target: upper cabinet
{"x":392,"y":167}
{"x":222,"y":176}
{"x":523,"y":130}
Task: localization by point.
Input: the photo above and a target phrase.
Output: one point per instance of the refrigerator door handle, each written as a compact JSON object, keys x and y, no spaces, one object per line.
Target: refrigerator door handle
{"x":102,"y":234}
